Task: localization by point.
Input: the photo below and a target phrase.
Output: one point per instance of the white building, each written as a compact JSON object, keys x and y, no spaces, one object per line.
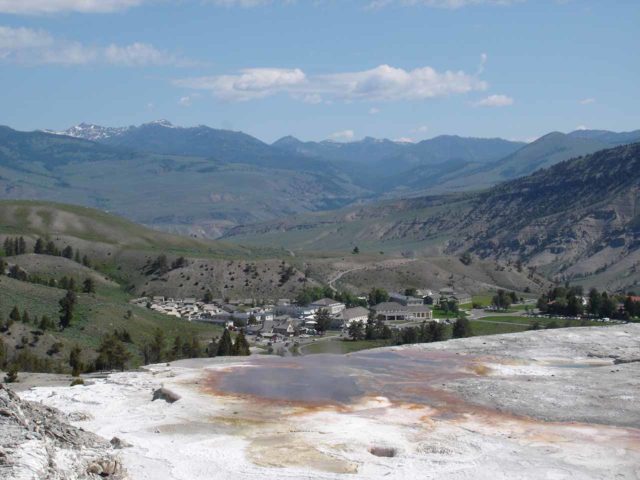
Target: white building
{"x":334,"y":307}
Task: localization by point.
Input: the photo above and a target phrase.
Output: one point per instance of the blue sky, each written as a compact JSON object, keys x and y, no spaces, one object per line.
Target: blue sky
{"x":317,"y":69}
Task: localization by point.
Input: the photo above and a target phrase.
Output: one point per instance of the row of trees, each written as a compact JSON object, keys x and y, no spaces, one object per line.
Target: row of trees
{"x":376,"y":329}
{"x":18,"y":246}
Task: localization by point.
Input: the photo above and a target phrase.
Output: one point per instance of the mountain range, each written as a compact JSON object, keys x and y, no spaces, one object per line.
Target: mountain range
{"x":576,"y":220}
{"x":205,"y":181}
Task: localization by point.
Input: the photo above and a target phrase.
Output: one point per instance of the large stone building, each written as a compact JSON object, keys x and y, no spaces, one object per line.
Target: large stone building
{"x":393,"y":311}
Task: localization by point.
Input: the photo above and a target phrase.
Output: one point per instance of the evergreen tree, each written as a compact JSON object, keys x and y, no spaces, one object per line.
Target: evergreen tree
{"x":436,"y":331}
{"x":323,"y":320}
{"x":177,"y":349}
{"x":89,"y":286}
{"x":51,"y":249}
{"x":75,"y":361}
{"x":461,"y":328}
{"x":370,"y":332}
{"x":12,"y":374}
{"x":39,"y":246}
{"x":225,"y":346}
{"x":241,"y":346}
{"x":356,"y":331}
{"x":14,"y":316}
{"x":8,"y":247}
{"x":3,"y":266}
{"x":156,"y":349}
{"x":86,"y":262}
{"x":21,"y":248}
{"x":67,"y":252}
{"x":112,"y":354}
{"x":76,"y":257}
{"x":67,"y":305}
{"x":25,"y":317}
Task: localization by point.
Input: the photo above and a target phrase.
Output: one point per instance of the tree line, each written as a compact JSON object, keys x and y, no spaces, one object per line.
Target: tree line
{"x":13,"y":246}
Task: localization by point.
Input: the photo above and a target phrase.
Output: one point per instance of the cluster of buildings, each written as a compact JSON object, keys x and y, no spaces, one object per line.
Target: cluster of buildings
{"x":285,"y":319}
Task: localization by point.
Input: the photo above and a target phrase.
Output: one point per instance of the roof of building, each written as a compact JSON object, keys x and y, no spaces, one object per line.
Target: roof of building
{"x":326,"y":302}
{"x":390,"y":307}
{"x":355,"y":312}
{"x":418,"y":308}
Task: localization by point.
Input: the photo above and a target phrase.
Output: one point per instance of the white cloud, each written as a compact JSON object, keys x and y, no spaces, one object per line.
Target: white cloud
{"x":374,"y":111}
{"x":587,"y":101}
{"x":452,"y":4}
{"x":421,"y":129}
{"x":383,"y":83}
{"x":494,"y":101}
{"x":582,"y":127}
{"x":185,"y":101}
{"x":250,"y":84}
{"x":36,"y":47}
{"x":40,"y":7}
{"x":342,"y":136}
{"x":404,"y":140}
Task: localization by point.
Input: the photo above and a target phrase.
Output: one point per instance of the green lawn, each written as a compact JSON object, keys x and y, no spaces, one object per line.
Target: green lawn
{"x":341,"y":346}
{"x":438,"y":313}
{"x":482,"y":328}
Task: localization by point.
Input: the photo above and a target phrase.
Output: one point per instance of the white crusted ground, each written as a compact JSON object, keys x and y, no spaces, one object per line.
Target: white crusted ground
{"x":208,"y":436}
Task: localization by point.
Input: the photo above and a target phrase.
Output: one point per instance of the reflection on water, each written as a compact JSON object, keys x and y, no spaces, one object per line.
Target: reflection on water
{"x":400,"y":376}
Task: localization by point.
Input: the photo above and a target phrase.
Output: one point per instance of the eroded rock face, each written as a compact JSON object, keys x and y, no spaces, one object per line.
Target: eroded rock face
{"x":36,"y":442}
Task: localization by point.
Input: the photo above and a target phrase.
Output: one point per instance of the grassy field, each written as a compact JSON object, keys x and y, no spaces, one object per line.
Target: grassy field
{"x":480,"y":328}
{"x":342,"y":346}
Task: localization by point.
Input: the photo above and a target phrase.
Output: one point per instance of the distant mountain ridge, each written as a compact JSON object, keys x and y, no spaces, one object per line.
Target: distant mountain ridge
{"x":205,"y":181}
{"x":578,"y":219}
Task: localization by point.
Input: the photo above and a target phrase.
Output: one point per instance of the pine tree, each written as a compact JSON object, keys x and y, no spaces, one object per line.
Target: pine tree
{"x":3,"y":267}
{"x":12,"y":374}
{"x":75,"y":361}
{"x":112,"y":354}
{"x":25,"y":317}
{"x":8,"y":247}
{"x":356,"y":331}
{"x":67,"y":305}
{"x":21,"y":246}
{"x":323,"y":320}
{"x":89,"y":286}
{"x":156,"y":349}
{"x":14,"y":316}
{"x":225,"y":347}
{"x":39,"y":246}
{"x":67,"y":252}
{"x":241,"y":346}
{"x":76,"y":257}
{"x":51,"y":249}
{"x":178,"y":347}
{"x":86,"y":262}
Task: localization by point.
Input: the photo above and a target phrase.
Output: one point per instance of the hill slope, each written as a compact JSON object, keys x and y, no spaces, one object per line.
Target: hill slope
{"x":545,"y":152}
{"x":153,"y":189}
{"x":576,"y":219}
